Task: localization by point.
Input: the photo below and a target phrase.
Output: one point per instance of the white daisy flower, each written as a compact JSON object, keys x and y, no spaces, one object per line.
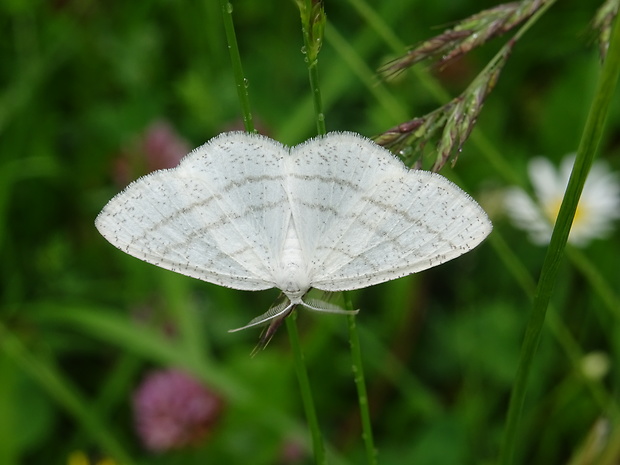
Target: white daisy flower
{"x":598,"y":207}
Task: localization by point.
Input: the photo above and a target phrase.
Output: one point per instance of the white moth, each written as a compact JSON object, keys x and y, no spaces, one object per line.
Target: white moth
{"x":335,"y":213}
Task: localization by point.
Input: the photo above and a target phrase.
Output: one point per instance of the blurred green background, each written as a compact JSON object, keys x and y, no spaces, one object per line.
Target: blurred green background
{"x":95,"y":94}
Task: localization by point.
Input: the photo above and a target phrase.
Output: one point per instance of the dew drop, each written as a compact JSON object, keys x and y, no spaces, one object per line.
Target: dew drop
{"x":229,"y":8}
{"x":303,"y":50}
{"x":405,"y":152}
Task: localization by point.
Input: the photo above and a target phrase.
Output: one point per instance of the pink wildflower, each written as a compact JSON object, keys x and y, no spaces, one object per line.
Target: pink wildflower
{"x":173,"y":410}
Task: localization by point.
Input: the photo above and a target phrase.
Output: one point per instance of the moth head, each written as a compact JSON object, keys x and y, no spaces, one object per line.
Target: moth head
{"x":293,"y":280}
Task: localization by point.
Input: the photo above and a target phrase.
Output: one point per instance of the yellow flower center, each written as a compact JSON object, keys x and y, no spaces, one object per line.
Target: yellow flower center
{"x":553,"y":208}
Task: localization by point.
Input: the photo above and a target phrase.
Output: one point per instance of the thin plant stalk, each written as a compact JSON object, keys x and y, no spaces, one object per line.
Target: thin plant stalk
{"x":241,"y":81}
{"x":306,"y":391}
{"x":313,"y":72}
{"x":588,"y":146}
{"x":311,"y":50}
{"x":291,"y":325}
{"x":360,"y":384}
{"x":313,"y":26}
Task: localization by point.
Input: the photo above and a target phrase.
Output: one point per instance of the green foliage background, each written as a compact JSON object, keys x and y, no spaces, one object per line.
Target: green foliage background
{"x":80,"y":322}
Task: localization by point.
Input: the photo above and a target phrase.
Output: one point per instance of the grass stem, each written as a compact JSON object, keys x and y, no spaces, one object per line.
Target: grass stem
{"x":362,"y":395}
{"x":312,"y":25}
{"x":241,"y":81}
{"x":306,"y":390}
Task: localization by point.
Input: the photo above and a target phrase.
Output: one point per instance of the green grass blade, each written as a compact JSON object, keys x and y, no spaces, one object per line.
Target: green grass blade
{"x":588,"y":146}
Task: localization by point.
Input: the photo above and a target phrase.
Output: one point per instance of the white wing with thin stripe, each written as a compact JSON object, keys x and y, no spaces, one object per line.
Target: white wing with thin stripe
{"x":363,"y":218}
{"x":220,"y":216}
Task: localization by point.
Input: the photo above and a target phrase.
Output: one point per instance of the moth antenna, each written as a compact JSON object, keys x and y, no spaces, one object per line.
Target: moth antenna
{"x":283,"y":308}
{"x":317,"y":305}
